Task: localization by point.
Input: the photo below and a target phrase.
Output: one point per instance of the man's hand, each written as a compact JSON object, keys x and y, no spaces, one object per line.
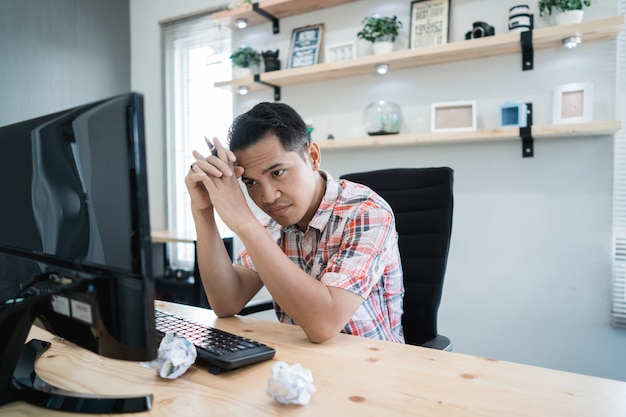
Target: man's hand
{"x":211,"y":165}
{"x":213,"y":182}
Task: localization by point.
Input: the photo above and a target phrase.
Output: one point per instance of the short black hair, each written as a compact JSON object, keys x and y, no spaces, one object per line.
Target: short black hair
{"x":269,"y":118}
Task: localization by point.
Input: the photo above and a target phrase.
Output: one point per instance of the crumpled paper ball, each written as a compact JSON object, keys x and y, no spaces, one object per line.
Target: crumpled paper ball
{"x":175,"y":355}
{"x":290,"y":384}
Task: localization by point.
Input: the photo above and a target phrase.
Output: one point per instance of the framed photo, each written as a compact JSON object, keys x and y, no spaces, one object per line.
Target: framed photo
{"x":306,"y":43}
{"x":455,"y":116}
{"x":573,"y":103}
{"x":429,"y":23}
{"x":340,"y":51}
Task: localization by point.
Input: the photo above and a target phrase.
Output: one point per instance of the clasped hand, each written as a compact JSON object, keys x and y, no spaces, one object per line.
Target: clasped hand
{"x":212,"y":182}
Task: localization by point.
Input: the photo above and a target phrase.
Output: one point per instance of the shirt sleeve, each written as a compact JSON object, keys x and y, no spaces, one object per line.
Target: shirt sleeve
{"x":360,"y":261}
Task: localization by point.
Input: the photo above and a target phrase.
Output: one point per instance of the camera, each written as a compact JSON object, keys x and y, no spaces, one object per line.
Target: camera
{"x":480,"y":30}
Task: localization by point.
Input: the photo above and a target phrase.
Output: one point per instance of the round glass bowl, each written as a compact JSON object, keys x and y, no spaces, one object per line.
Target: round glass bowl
{"x":382,"y":118}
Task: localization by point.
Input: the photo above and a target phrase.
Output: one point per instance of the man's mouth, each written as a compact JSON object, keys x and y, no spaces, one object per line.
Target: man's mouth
{"x":277,"y":211}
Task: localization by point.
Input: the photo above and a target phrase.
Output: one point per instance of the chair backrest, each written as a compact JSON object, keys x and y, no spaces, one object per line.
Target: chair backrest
{"x":422,"y":202}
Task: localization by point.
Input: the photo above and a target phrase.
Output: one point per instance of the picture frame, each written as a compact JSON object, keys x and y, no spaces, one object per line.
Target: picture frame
{"x":430,"y":23}
{"x":305,"y":46}
{"x":453,"y":116}
{"x":573,"y":103}
{"x":340,"y":51}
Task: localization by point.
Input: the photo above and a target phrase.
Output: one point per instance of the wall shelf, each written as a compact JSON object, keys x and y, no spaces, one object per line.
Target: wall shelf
{"x":508,"y":43}
{"x":277,"y":8}
{"x":608,"y":127}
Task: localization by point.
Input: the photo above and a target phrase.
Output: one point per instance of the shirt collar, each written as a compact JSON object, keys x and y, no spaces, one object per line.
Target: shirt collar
{"x":325,"y":209}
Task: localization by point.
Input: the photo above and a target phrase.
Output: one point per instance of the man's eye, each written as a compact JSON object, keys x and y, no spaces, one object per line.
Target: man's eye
{"x":278,"y":172}
{"x":249,"y":184}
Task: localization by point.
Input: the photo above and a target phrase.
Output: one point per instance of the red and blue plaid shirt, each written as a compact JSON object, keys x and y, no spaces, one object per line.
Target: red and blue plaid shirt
{"x":351,"y":243}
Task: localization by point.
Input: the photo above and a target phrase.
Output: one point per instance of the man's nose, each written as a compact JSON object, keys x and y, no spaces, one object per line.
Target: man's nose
{"x":269,"y":193}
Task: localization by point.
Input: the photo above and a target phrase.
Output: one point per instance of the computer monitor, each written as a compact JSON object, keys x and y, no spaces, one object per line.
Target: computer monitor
{"x":75,"y":248}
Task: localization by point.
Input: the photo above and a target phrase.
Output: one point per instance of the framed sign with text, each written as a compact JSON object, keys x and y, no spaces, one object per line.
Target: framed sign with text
{"x":429,"y":23}
{"x":305,"y":48}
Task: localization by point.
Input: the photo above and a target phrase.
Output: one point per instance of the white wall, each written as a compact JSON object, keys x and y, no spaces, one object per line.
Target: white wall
{"x":530,"y":264}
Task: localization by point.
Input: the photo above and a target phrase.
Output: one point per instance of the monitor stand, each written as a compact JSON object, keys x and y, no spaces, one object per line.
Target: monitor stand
{"x":20,"y":382}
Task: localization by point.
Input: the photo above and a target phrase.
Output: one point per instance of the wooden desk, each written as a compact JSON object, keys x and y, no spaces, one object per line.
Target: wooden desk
{"x":353,"y":376}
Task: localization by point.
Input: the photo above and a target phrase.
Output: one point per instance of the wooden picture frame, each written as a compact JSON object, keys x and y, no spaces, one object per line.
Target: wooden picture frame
{"x":305,"y":47}
{"x":573,"y":103}
{"x":430,"y":23}
{"x":453,"y":116}
{"x":340,"y":51}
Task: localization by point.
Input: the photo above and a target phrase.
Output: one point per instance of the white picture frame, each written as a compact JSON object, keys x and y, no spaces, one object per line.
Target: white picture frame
{"x":340,"y":51}
{"x":573,"y":103}
{"x":453,"y":116}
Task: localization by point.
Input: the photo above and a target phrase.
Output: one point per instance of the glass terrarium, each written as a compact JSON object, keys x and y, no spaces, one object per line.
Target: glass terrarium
{"x":382,"y":118}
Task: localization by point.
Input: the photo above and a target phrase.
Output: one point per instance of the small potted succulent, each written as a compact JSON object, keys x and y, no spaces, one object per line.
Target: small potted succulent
{"x":566,"y":11}
{"x":381,"y":31}
{"x":245,"y":61}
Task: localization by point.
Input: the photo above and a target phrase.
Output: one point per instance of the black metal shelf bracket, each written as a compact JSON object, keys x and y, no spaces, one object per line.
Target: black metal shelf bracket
{"x":526,"y":134}
{"x":275,"y":23}
{"x":526,"y":40}
{"x":257,"y":79}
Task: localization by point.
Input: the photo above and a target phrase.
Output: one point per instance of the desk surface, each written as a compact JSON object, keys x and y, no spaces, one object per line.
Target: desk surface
{"x":352,"y":375}
{"x":168,"y":236}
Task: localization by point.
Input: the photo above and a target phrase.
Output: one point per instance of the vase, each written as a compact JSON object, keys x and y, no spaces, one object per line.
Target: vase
{"x":242,"y":72}
{"x":382,"y":118}
{"x":382,"y":47}
{"x":568,"y":17}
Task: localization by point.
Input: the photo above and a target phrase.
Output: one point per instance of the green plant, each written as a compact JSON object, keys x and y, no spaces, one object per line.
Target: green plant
{"x":245,"y":56}
{"x":546,"y":6}
{"x":377,"y":28}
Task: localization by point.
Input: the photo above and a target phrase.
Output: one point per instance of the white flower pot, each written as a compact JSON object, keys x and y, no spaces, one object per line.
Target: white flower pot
{"x":568,"y":17}
{"x":240,"y":72}
{"x":380,"y":48}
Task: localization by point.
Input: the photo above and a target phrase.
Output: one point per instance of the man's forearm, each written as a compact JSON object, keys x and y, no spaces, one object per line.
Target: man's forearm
{"x":219,"y":278}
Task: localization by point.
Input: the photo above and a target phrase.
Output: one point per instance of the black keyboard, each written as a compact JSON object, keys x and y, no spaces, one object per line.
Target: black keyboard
{"x":217,"y":348}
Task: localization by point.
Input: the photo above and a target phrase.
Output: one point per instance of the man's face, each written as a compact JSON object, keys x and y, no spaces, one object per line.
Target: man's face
{"x":282,"y":184}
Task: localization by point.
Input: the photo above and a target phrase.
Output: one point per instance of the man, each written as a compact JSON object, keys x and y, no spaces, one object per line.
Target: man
{"x":328,"y":254}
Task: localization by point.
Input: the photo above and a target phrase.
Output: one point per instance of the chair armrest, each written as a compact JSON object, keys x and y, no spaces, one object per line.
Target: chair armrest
{"x":256,"y":306}
{"x":440,"y":342}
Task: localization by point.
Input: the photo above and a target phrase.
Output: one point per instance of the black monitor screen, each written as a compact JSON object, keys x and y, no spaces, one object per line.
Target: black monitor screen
{"x":69,"y":187}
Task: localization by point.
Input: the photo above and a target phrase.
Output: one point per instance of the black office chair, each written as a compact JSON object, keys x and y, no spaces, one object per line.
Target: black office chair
{"x":422,"y":201}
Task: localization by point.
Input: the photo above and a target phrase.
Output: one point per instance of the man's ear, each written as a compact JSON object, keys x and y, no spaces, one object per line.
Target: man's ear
{"x":315,"y":155}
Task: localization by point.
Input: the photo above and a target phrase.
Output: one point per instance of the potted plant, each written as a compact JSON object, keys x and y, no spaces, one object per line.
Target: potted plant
{"x":381,"y":31}
{"x":246,"y":58}
{"x":567,"y":11}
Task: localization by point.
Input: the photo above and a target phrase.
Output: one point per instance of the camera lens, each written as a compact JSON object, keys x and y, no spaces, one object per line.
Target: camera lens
{"x":478,"y":32}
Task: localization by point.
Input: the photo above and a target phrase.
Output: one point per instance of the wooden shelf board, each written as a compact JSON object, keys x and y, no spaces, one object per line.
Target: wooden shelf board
{"x":277,"y":8}
{"x":484,"y":135}
{"x":508,"y":43}
{"x":233,"y":85}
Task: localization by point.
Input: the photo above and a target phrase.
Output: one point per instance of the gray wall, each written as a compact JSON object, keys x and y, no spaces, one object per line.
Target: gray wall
{"x":55,"y":54}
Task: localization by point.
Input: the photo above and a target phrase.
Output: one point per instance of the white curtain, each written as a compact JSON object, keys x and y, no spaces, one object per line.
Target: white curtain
{"x":619,"y":189}
{"x":196,"y":54}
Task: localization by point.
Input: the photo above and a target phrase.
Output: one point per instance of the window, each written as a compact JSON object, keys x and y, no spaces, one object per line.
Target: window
{"x":196,"y":54}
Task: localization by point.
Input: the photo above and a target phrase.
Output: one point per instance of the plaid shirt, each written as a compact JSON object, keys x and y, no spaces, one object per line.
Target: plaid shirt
{"x":351,"y":243}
